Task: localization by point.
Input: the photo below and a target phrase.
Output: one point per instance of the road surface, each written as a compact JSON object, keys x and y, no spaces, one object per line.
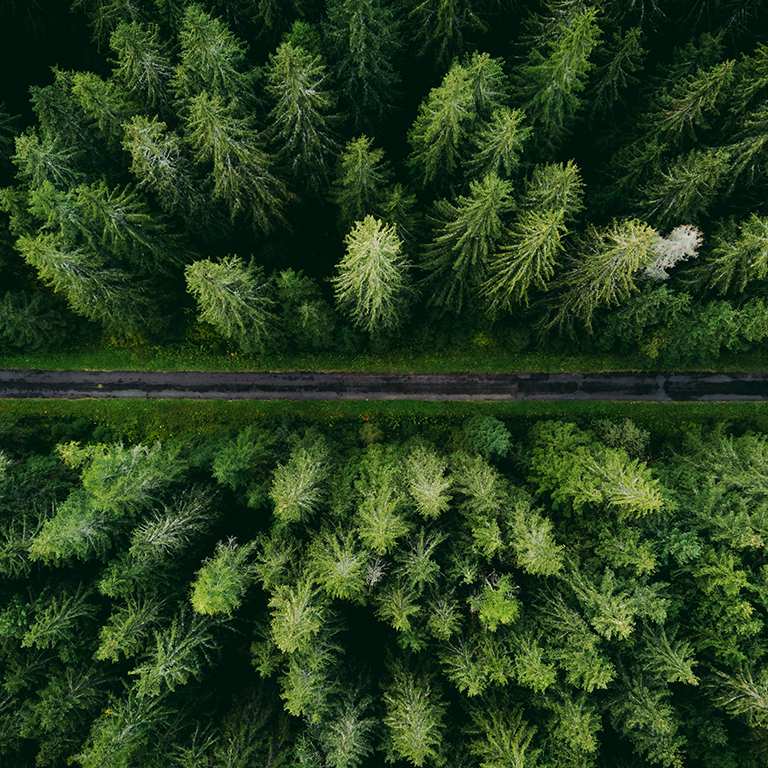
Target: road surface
{"x":306,"y":385}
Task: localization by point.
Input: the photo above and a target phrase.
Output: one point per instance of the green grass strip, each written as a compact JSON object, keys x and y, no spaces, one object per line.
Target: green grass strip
{"x":482,"y":359}
{"x":140,"y":420}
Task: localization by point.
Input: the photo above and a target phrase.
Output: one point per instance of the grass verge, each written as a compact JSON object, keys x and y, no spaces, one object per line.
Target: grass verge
{"x":150,"y":420}
{"x":487,"y":359}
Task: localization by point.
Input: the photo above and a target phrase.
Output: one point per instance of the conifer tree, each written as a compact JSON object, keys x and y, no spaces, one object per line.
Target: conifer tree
{"x":233,"y":298}
{"x":688,"y":187}
{"x":739,"y":255}
{"x":181,"y":652}
{"x":241,"y":167}
{"x":159,"y":164}
{"x":102,"y":294}
{"x":220,"y":584}
{"x":441,"y":128}
{"x":212,"y":60}
{"x":467,"y":236}
{"x":128,"y":629}
{"x":340,"y":566}
{"x":298,"y":485}
{"x":498,"y":144}
{"x":46,"y":158}
{"x":550,"y":84}
{"x":528,"y":255}
{"x":604,"y":273}
{"x":363,"y":39}
{"x":296,"y":616}
{"x":143,"y":65}
{"x":414,"y":718}
{"x":624,"y":57}
{"x":439,"y":27}
{"x":427,"y":484}
{"x":302,"y":118}
{"x":372,"y":283}
{"x":361,"y":181}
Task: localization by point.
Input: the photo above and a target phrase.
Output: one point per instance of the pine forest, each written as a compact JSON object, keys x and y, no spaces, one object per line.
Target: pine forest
{"x":482,"y":587}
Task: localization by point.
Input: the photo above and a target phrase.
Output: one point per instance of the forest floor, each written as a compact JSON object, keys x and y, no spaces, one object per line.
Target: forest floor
{"x":307,"y":385}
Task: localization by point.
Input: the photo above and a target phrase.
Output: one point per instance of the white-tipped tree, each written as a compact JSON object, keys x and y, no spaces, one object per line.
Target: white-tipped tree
{"x":372,"y":284}
{"x":233,"y":298}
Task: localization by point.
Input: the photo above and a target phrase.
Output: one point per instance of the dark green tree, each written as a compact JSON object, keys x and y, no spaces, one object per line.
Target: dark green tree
{"x":302,"y":117}
{"x":362,"y":37}
{"x":465,"y":238}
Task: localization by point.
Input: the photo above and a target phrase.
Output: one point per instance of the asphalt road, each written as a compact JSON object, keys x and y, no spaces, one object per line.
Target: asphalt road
{"x":306,"y":385}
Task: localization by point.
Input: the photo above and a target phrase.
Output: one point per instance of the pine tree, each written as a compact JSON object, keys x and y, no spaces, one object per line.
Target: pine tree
{"x":60,"y":620}
{"x":241,"y":167}
{"x":128,"y":629}
{"x":468,"y":233}
{"x":143,"y":65}
{"x":233,"y":298}
{"x":414,"y":718}
{"x":102,"y":294}
{"x":499,"y":143}
{"x":302,"y":118}
{"x":339,"y":566}
{"x":105,"y":102}
{"x":502,"y":737}
{"x":361,"y":181}
{"x":551,"y":84}
{"x":624,"y":57}
{"x":536,"y":550}
{"x":298,"y":487}
{"x":439,"y":27}
{"x":528,"y":257}
{"x":181,"y":652}
{"x":379,"y":520}
{"x":363,"y":40}
{"x":442,"y":128}
{"x":159,"y":164}
{"x":46,"y":158}
{"x":427,"y":484}
{"x":604,"y":274}
{"x":212,"y":60}
{"x":296,"y":616}
{"x":372,"y":283}
{"x":687,"y":188}
{"x":220,"y":584}
{"x":739,"y":255}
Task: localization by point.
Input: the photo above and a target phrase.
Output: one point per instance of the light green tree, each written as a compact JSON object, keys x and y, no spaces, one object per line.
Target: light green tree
{"x":297,"y":616}
{"x":372,"y":284}
{"x":128,"y":628}
{"x":220,"y":584}
{"x":442,"y":128}
{"x":502,"y":737}
{"x":427,"y":483}
{"x":233,"y":298}
{"x":339,"y":565}
{"x":499,"y":144}
{"x":414,"y":718}
{"x":298,"y":486}
{"x":604,"y":273}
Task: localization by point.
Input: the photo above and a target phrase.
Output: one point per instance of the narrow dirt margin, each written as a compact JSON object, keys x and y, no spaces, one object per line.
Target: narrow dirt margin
{"x":306,"y":385}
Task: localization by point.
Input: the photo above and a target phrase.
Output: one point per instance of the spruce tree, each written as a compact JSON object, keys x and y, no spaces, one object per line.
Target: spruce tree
{"x":372,"y":284}
{"x":465,"y":238}
{"x":360,"y":186}
{"x":302,"y":117}
{"x":233,"y":298}
{"x":363,"y":40}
